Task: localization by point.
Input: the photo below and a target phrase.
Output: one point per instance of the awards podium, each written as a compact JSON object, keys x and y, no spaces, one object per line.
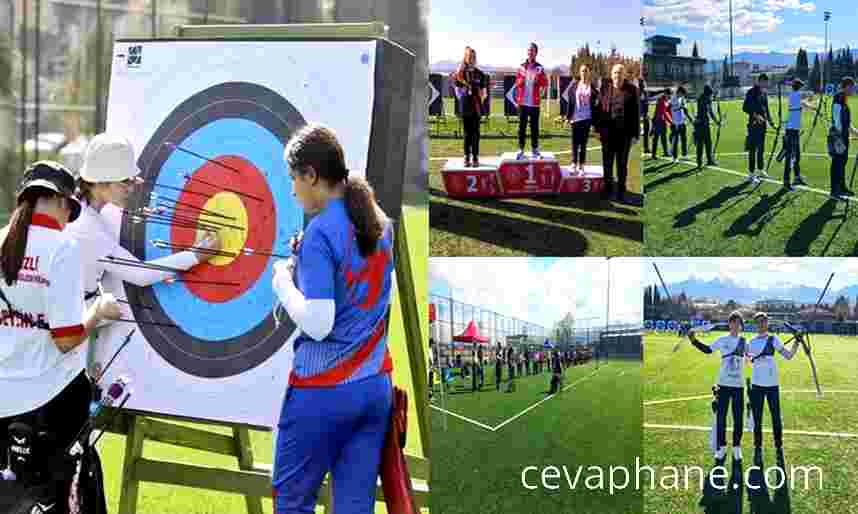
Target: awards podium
{"x":506,"y":177}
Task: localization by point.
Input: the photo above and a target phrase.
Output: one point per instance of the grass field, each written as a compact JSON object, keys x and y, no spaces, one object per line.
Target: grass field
{"x":568,"y":225}
{"x":686,"y":377}
{"x":164,"y":499}
{"x":594,"y":422}
{"x":714,"y":211}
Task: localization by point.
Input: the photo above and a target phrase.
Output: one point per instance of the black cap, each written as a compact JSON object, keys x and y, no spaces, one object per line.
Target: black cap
{"x":53,"y":176}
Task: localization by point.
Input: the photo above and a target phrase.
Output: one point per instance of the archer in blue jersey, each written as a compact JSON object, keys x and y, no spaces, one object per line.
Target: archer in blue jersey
{"x":337,"y":290}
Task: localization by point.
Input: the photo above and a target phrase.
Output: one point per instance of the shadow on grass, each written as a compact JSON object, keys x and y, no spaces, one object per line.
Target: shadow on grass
{"x":593,"y":202}
{"x":657,"y":166}
{"x":689,"y":215}
{"x":627,"y":229}
{"x":513,"y":233}
{"x":798,"y":244}
{"x":761,"y":213}
{"x":669,"y":178}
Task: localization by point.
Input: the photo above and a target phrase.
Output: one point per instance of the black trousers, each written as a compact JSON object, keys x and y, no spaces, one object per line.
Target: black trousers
{"x":646,"y":129}
{"x":471,"y":124}
{"x":498,"y":372}
{"x":756,"y":146}
{"x":703,"y":139}
{"x":615,"y":150}
{"x":526,"y":113}
{"x":771,"y":395}
{"x":511,"y":371}
{"x":63,"y":416}
{"x":726,"y":395}
{"x":792,"y":154}
{"x":838,"y":172}
{"x":580,"y":134}
{"x":659,"y":129}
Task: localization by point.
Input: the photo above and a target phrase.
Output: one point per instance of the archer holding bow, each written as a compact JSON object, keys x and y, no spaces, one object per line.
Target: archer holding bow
{"x":838,"y":139}
{"x":791,"y":152}
{"x":764,"y":384}
{"x":756,"y":106}
{"x":702,"y":136}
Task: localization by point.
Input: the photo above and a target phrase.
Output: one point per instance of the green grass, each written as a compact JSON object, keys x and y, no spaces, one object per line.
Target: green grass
{"x":596,"y":422}
{"x":712,"y":212}
{"x":173,"y":499}
{"x":566,"y":225}
{"x":689,"y":373}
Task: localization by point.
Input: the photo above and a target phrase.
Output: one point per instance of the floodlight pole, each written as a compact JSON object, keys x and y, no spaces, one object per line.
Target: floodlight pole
{"x":822,"y":77}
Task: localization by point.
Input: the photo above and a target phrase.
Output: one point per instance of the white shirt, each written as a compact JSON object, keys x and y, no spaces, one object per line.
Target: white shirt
{"x":764,"y":371}
{"x":677,"y":107}
{"x":32,"y":369}
{"x":732,"y":369}
{"x":97,"y":236}
{"x":794,"y":119}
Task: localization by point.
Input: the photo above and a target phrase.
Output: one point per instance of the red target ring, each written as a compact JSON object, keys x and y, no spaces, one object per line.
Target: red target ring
{"x":244,"y":269}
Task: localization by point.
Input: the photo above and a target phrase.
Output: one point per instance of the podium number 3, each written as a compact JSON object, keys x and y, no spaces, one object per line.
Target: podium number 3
{"x":587,"y":187}
{"x":472,"y":183}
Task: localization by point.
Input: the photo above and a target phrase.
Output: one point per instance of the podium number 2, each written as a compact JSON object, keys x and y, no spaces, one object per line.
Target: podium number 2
{"x":472,"y":183}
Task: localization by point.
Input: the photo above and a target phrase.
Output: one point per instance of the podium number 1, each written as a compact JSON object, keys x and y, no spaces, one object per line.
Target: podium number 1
{"x":530,"y":179}
{"x":472,"y":183}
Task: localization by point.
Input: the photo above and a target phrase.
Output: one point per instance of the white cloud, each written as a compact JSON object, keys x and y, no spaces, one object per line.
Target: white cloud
{"x":515,"y":287}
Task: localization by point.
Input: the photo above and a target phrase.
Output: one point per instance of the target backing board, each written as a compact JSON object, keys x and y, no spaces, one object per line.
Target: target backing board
{"x":209,"y":120}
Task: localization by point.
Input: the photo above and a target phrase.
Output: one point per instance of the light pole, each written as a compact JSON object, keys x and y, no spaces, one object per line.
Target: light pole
{"x":822,"y":77}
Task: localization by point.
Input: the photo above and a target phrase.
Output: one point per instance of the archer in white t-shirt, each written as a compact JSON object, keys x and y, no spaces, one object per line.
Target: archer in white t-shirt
{"x":764,"y":383}
{"x":730,"y":380}
{"x":791,"y":152}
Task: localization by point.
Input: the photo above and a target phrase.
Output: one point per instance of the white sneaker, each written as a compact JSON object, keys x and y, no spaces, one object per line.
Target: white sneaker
{"x":536,"y":154}
{"x":520,"y":155}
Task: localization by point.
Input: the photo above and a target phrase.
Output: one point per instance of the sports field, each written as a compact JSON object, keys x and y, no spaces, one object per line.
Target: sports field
{"x":173,"y":499}
{"x":567,"y":225}
{"x":490,"y":437}
{"x":715,"y":211}
{"x":817,"y":432}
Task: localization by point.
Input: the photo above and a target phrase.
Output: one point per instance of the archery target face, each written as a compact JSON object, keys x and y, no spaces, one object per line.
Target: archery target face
{"x":209,"y":121}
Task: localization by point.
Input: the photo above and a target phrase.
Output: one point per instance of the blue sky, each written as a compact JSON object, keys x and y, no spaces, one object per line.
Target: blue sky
{"x":500,"y":30}
{"x":758,"y":272}
{"x":543,"y":290}
{"x":759,"y":25}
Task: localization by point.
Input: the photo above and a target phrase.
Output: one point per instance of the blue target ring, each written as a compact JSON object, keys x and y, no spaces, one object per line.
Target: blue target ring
{"x":211,"y":339}
{"x":233,"y":136}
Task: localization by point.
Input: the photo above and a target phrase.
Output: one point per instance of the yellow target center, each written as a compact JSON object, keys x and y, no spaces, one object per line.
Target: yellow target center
{"x":231,"y":239}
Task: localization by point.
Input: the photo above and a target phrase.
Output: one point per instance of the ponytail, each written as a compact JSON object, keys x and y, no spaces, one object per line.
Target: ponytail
{"x":367,"y":217}
{"x":15,"y":244}
{"x":316,"y":146}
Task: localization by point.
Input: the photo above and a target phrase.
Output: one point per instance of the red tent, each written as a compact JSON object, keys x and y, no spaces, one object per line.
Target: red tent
{"x":471,"y":335}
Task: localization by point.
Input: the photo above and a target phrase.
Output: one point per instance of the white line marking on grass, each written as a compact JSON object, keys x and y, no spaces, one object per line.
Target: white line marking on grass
{"x":743,"y":154}
{"x":842,"y":435}
{"x":709,"y":396}
{"x":764,"y":179}
{"x":463,"y":418}
{"x":557,"y":152}
{"x":540,"y":402}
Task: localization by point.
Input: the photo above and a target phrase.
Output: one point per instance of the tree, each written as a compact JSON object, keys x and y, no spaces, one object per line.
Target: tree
{"x":841,"y":308}
{"x":731,"y":305}
{"x":564,"y":330}
{"x":694,"y":52}
{"x":814,"y":76}
{"x":802,"y":68}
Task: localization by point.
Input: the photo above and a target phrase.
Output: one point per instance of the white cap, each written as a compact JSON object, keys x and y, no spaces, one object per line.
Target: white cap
{"x":109,"y":158}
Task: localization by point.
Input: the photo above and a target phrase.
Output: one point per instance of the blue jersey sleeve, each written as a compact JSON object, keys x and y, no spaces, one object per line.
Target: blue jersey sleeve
{"x":317,"y":269}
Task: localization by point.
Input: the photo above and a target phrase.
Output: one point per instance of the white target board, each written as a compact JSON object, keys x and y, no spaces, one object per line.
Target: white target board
{"x":209,"y":121}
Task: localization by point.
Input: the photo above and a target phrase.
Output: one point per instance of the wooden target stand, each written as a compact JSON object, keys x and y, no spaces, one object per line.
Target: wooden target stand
{"x":252,"y":479}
